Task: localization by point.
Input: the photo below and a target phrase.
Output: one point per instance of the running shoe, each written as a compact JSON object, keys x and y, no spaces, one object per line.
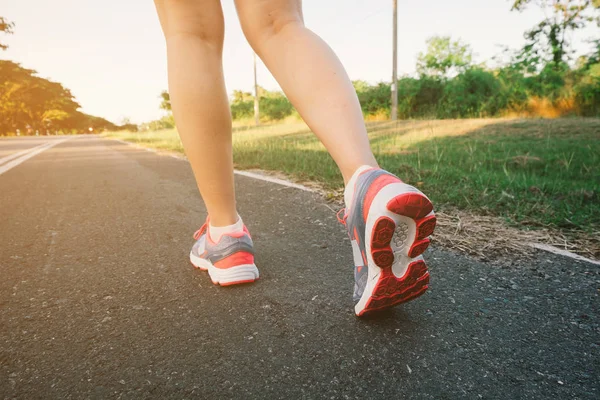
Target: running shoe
{"x":389,"y":223}
{"x":230,"y":261}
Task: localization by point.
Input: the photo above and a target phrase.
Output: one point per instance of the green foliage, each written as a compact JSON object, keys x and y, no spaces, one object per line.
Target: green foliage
{"x":166,"y":122}
{"x":166,"y":101}
{"x":473,"y":93}
{"x":553,"y":90}
{"x":242,"y":105}
{"x":550,"y":82}
{"x":513,"y":91}
{"x":128,"y":127}
{"x":419,"y":98}
{"x":30,"y":103}
{"x":274,"y":106}
{"x":587,"y":91}
{"x":547,"y":41}
{"x":374,"y":99}
{"x":444,"y":56}
{"x":449,"y":86}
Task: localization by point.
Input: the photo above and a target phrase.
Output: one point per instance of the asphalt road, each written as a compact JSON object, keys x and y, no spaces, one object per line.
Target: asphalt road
{"x":98,"y":299}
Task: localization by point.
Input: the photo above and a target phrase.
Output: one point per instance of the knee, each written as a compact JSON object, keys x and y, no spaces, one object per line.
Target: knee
{"x":259,"y":31}
{"x":197,"y":20}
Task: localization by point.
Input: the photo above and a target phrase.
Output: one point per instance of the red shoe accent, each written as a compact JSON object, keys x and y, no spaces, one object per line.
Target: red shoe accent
{"x":378,"y":184}
{"x":418,"y":248}
{"x":383,"y":231}
{"x":391,"y":290}
{"x":413,"y":205}
{"x":234,"y":260}
{"x":240,"y":233}
{"x":425,"y":227}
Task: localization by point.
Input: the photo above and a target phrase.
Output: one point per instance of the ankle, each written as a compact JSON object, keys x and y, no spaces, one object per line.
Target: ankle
{"x":216,"y":232}
{"x":348,"y":173}
{"x":223,"y":220}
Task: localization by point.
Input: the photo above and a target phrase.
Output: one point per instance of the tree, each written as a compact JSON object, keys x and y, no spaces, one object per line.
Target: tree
{"x":26,"y":100}
{"x":5,"y":27}
{"x":166,"y":101}
{"x":444,"y":57}
{"x":52,"y":117}
{"x":547,"y":41}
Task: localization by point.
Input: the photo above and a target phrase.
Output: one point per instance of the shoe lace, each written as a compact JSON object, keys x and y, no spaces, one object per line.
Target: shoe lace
{"x":200,"y":231}
{"x":342,"y":220}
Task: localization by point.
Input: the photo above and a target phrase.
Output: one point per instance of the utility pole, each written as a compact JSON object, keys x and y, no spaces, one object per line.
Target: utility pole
{"x":395,"y":65}
{"x":256,"y":100}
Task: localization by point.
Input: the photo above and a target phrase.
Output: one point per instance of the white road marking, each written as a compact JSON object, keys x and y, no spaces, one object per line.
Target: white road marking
{"x":271,"y":179}
{"x":35,"y":151}
{"x":556,"y":250}
{"x":19,"y":153}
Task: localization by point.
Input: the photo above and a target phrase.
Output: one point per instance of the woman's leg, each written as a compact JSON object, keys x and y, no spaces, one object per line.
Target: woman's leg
{"x":389,"y":222}
{"x":311,"y":76}
{"x":194,"y":31}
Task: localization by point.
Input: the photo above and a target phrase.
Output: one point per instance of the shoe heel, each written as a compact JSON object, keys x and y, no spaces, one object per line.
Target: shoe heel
{"x":414,"y":205}
{"x":391,"y":290}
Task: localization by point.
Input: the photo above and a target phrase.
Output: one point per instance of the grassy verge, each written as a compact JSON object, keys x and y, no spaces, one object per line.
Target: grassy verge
{"x":530,"y":172}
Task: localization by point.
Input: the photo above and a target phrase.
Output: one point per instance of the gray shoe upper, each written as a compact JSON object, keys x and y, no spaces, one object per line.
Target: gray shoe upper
{"x":355,"y":222}
{"x":226,"y":246}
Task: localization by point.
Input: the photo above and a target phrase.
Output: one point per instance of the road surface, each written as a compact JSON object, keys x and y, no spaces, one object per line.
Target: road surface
{"x":98,"y":298}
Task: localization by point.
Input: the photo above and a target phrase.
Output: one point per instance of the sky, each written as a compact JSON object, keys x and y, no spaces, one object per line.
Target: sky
{"x":111,"y":53}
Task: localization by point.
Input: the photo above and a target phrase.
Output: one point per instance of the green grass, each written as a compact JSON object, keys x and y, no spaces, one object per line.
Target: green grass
{"x":532,"y":172}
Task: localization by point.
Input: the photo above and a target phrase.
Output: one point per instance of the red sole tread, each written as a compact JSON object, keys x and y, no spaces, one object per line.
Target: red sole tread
{"x":391,"y":290}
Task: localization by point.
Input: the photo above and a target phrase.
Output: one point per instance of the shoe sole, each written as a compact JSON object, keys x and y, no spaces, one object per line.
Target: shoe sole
{"x":238,"y":275}
{"x":402,"y":220}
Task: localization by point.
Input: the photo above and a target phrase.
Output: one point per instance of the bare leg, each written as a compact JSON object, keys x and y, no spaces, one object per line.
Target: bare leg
{"x":194,"y":31}
{"x":311,"y":76}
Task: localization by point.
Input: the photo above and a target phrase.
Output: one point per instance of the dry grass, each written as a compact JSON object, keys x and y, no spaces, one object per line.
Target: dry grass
{"x":489,"y":237}
{"x":540,"y":107}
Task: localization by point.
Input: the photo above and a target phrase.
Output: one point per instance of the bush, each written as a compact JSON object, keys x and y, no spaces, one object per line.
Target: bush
{"x":419,"y":97}
{"x":242,"y":109}
{"x":373,"y":99}
{"x":166,"y":122}
{"x":473,"y":93}
{"x":587,"y":92}
{"x":550,"y":83}
{"x":275,"y":107}
{"x":128,"y":127}
{"x":556,"y":90}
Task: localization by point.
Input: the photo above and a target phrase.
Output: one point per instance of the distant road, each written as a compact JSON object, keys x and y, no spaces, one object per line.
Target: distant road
{"x":98,"y":298}
{"x":19,"y":151}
